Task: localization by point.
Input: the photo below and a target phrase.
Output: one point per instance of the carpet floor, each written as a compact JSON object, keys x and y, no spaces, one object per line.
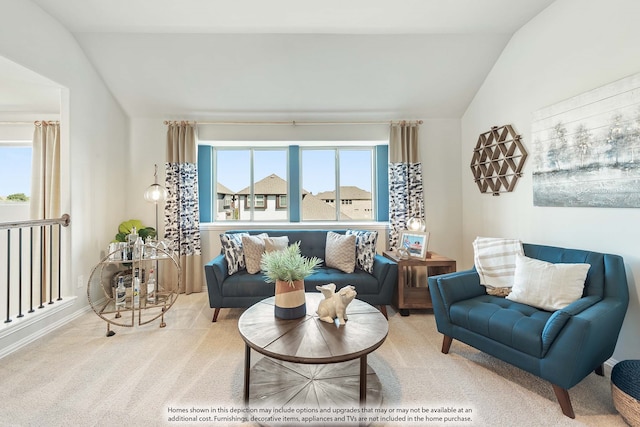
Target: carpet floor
{"x":151,"y":376}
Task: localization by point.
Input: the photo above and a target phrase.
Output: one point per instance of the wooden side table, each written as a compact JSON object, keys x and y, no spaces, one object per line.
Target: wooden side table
{"x":408,"y":295}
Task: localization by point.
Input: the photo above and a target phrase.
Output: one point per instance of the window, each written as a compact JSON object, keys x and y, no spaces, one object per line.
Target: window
{"x":247,"y":174}
{"x":226,"y":204}
{"x":295,"y":182}
{"x":15,"y":180}
{"x":259,"y":198}
{"x":343,"y":179}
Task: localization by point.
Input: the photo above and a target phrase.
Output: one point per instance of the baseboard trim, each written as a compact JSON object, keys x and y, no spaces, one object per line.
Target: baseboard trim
{"x":36,"y":318}
{"x":608,"y":366}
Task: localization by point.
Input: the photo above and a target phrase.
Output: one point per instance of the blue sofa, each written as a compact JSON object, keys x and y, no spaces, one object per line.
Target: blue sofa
{"x":243,"y":289}
{"x":563,"y":346}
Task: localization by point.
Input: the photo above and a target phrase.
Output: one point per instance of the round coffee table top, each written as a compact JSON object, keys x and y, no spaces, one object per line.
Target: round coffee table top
{"x":309,"y":339}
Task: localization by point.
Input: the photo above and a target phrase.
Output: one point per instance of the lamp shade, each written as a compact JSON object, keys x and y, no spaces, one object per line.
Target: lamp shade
{"x":155,"y":193}
{"x":416,"y":224}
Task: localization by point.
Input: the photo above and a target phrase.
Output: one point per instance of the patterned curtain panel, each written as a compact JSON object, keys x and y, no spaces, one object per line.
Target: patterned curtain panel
{"x":182,"y":223}
{"x":406,"y":198}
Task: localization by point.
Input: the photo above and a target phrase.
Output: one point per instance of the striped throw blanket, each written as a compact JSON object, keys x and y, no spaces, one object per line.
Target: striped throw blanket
{"x":495,"y":261}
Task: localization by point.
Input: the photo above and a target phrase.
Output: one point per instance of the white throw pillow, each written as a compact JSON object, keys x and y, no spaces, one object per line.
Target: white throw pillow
{"x":340,"y":252}
{"x":276,"y":243}
{"x":253,"y":248}
{"x":545,"y":285}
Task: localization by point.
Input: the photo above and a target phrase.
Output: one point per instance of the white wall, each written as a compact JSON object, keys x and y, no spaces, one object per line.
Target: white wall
{"x":94,"y":137}
{"x":571,"y":47}
{"x":439,"y":152}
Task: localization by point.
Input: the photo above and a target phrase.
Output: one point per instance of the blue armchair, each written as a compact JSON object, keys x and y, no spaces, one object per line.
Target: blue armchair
{"x":563,"y":346}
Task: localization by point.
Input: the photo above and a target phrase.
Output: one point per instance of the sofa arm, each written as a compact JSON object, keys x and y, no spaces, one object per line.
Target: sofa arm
{"x":559,"y":318}
{"x":592,"y":334}
{"x":447,"y":289}
{"x":581,"y":305}
{"x":458,"y":286}
{"x":386,"y":273}
{"x":381,"y":267}
{"x":215,"y":272}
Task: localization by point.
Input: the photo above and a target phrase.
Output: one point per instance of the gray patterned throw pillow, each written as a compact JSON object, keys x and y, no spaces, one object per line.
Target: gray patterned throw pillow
{"x":365,"y":248}
{"x":232,"y":250}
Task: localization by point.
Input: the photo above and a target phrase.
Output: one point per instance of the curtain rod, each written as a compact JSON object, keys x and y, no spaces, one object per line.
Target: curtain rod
{"x":37,"y":122}
{"x":292,"y":123}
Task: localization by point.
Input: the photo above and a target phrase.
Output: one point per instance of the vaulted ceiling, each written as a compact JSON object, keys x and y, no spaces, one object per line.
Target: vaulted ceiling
{"x":293,"y":58}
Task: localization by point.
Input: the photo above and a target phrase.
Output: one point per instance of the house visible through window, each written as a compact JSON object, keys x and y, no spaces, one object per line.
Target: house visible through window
{"x":249,"y":174}
{"x":343,"y":179}
{"x":291,"y":183}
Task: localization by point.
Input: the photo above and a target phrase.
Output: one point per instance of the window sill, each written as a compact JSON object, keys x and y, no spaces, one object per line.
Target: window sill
{"x":307,"y":225}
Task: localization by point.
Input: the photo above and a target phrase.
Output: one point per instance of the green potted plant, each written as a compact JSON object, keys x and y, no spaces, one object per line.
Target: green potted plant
{"x":126,"y":227}
{"x":287,"y":269}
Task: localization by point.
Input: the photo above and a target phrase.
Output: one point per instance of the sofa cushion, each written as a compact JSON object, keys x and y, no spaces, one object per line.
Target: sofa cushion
{"x":312,"y":242}
{"x":365,"y":248}
{"x":232,"y":249}
{"x":340,"y":252}
{"x":276,"y":243}
{"x":253,"y":247}
{"x":545,"y":285}
{"x":243,"y":284}
{"x":365,"y":283}
{"x":594,"y":285}
{"x":510,"y":323}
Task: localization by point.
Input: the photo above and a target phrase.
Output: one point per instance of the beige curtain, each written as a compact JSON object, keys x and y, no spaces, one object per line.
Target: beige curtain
{"x":45,"y":197}
{"x":45,"y":171}
{"x":182,"y":216}
{"x":406,"y":198}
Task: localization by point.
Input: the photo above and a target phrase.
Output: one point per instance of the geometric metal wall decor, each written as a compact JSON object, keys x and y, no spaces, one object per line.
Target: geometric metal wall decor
{"x":498,"y":160}
{"x":586,"y":149}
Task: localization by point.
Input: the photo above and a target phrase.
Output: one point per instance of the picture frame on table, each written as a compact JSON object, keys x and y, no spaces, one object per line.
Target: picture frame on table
{"x":416,"y":243}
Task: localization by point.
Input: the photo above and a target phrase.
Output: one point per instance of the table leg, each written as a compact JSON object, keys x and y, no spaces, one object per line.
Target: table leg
{"x":363,"y":381}
{"x":247,"y":370}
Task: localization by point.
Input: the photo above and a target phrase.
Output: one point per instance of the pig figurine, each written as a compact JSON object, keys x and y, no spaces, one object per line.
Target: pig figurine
{"x":335,"y":304}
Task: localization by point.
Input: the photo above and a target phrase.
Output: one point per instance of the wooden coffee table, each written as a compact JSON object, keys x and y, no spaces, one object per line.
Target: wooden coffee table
{"x":305,"y":351}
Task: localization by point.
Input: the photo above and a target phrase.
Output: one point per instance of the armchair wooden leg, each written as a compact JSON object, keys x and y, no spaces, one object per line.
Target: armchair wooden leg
{"x":565,"y":402}
{"x":383,"y":310}
{"x":215,"y":314}
{"x":600,"y":370}
{"x":446,"y":343}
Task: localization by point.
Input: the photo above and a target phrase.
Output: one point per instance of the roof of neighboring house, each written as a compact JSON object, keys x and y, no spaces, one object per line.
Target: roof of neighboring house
{"x":221,"y":189}
{"x":315,"y":208}
{"x":348,"y":192}
{"x":271,"y":184}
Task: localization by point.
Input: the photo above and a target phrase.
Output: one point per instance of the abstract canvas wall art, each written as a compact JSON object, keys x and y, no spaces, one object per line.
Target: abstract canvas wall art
{"x":586,"y":149}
